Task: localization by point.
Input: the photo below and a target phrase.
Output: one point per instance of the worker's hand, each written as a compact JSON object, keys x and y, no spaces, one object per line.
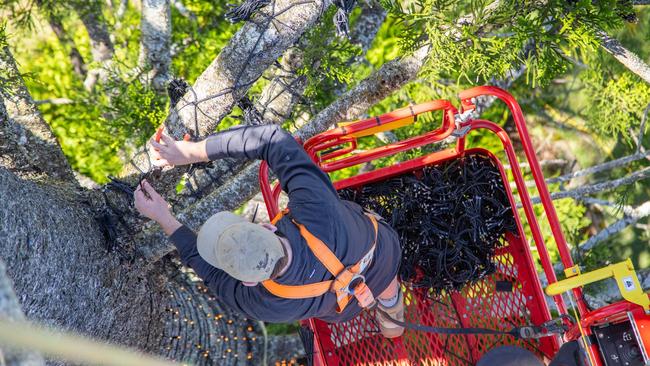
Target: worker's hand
{"x":151,"y":204}
{"x":170,"y":152}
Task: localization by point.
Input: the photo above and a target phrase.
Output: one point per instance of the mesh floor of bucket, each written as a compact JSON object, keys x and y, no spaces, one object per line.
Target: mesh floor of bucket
{"x":358,"y":342}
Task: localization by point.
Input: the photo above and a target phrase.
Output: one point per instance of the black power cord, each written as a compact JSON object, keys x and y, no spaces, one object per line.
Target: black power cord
{"x":450,"y":218}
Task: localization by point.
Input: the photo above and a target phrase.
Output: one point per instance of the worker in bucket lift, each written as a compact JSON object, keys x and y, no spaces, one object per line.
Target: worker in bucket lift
{"x":325,"y":258}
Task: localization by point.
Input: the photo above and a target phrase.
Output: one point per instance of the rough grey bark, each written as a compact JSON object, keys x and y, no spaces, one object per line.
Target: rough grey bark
{"x":370,"y":19}
{"x":65,"y":277}
{"x":156,"y":28}
{"x":62,"y":273}
{"x":242,"y":186}
{"x":283,"y":92}
{"x":10,"y":310}
{"x":26,"y":141}
{"x":251,"y":50}
{"x":626,"y":57}
{"x":77,"y":61}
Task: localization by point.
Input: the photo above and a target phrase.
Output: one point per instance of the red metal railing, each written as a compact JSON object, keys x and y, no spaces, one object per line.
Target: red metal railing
{"x":336,"y":149}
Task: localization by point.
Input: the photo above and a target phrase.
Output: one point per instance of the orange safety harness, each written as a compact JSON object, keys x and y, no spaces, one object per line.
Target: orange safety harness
{"x":348,"y":281}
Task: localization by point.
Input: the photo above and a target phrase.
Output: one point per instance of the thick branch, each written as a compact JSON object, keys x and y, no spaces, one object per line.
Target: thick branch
{"x":156,"y":28}
{"x":626,"y":57}
{"x":285,"y":89}
{"x":101,"y":45}
{"x":26,"y":142}
{"x":10,"y":310}
{"x":630,"y":218}
{"x":368,"y":23}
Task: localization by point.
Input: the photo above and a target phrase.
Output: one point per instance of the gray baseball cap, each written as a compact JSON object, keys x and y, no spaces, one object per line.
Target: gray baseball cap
{"x":246,"y":251}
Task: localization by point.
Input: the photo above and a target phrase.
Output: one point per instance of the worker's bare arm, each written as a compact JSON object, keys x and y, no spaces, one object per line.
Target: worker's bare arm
{"x":299,"y":175}
{"x":171,"y":152}
{"x":151,"y":204}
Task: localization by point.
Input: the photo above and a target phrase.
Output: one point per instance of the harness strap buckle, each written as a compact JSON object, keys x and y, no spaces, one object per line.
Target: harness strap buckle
{"x":355,"y":286}
{"x":364,"y":296}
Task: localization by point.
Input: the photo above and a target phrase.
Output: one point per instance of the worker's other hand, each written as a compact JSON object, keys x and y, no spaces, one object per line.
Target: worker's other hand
{"x":151,"y":204}
{"x":170,"y":152}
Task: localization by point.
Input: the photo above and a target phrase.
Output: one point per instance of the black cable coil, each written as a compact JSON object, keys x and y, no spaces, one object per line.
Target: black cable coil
{"x":450,"y":217}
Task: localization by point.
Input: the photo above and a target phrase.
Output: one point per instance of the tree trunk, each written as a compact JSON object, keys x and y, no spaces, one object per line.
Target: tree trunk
{"x":26,"y":141}
{"x":156,"y":27}
{"x":65,"y":277}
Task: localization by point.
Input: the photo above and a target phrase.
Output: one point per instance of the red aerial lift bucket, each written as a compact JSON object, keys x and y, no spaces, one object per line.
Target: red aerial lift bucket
{"x":482,"y":304}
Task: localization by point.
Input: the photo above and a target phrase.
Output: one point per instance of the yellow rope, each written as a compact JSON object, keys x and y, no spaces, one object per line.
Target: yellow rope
{"x":582,"y":332}
{"x":70,"y":347}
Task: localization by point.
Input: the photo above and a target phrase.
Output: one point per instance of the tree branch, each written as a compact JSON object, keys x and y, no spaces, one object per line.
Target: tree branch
{"x":609,"y":165}
{"x":26,"y":141}
{"x":90,"y":13}
{"x":54,"y":101}
{"x":10,"y":310}
{"x":630,"y":218}
{"x":156,"y":27}
{"x":626,"y":57}
{"x":285,"y":89}
{"x":367,"y":25}
{"x":585,"y":190}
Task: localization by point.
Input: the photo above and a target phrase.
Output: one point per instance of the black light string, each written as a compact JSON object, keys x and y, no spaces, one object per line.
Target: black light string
{"x":450,"y":220}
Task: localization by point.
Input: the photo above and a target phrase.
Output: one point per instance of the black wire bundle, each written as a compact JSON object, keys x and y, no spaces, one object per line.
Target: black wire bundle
{"x":176,"y":89}
{"x":341,"y":17}
{"x":251,"y":115}
{"x":450,"y":220}
{"x":243,"y":12}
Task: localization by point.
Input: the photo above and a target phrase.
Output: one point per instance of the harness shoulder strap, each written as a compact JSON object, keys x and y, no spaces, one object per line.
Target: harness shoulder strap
{"x":297,"y":291}
{"x":343,"y":277}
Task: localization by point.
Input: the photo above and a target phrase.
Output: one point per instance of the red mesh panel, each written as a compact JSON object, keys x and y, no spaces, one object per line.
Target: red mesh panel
{"x":358,"y":341}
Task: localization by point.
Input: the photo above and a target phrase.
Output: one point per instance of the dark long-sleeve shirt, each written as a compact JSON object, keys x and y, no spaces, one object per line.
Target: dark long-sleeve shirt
{"x":313,"y":202}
